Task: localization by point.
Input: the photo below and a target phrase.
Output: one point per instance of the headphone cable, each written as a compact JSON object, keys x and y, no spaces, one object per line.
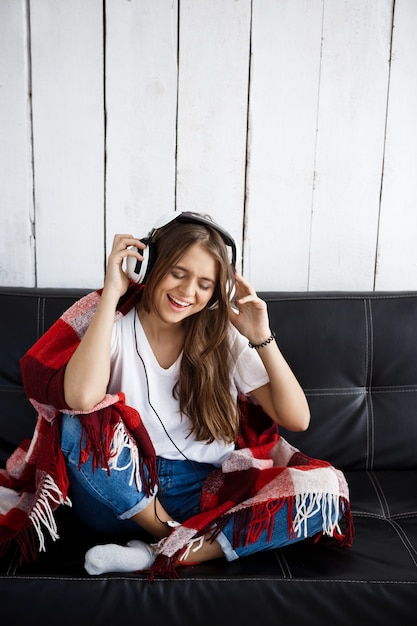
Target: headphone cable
{"x":156,"y":413}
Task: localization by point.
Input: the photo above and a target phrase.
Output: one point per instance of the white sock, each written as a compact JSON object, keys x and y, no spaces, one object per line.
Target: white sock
{"x":110,"y":557}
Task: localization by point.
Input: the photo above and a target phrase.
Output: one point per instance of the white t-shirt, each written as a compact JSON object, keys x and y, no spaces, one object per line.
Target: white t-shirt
{"x":148,"y":388}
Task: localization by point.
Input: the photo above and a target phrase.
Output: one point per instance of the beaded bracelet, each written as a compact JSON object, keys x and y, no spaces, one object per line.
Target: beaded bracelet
{"x":264,"y":343}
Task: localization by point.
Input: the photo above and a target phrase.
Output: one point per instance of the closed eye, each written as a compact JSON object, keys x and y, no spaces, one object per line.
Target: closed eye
{"x":204,"y":283}
{"x":206,"y":286}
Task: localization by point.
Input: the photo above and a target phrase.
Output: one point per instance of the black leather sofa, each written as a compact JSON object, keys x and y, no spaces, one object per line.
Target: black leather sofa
{"x":355,"y":354}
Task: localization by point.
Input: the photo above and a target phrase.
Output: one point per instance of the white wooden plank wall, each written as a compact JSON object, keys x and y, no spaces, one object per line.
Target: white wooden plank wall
{"x":141,"y":108}
{"x":397,"y":249}
{"x":213,"y":109}
{"x":68,"y":140}
{"x":350,"y":143}
{"x":291,"y":121}
{"x":285,"y":80}
{"x":17,"y":262}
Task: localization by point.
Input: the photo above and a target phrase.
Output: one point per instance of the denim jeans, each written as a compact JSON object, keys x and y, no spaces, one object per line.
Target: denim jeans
{"x":106,"y":501}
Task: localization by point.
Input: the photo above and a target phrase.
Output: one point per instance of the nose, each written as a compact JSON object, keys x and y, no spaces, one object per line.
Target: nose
{"x":188,"y":286}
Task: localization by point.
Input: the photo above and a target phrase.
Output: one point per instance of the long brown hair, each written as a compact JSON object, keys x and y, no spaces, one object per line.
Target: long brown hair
{"x":203,"y":386}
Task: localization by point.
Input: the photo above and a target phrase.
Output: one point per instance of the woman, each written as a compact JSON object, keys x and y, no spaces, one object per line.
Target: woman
{"x":197,"y":337}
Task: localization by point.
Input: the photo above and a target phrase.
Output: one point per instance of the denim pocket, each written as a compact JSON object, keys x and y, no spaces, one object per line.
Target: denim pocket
{"x":180,"y":484}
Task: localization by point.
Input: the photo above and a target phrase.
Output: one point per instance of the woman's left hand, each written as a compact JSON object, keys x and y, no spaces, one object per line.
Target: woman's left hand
{"x":251,"y":318}
{"x":282,"y":398}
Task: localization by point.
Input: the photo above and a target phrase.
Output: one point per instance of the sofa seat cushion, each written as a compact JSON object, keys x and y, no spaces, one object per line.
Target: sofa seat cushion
{"x":384,"y":506}
{"x":380,"y":570}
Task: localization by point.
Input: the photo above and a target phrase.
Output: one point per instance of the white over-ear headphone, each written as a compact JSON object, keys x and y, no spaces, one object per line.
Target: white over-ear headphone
{"x":138,"y":271}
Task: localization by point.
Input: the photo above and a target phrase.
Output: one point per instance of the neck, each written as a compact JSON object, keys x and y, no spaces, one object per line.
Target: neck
{"x":157,"y":330}
{"x":166,"y":340}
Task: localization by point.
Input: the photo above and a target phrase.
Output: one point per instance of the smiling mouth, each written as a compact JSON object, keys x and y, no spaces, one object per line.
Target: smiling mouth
{"x":178,"y":303}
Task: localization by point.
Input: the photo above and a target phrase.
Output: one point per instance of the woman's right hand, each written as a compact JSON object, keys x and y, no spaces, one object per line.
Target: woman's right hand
{"x":88,"y":371}
{"x":124,"y":246}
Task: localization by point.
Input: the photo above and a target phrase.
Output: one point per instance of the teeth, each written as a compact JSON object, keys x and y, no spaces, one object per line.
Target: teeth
{"x":179,"y":302}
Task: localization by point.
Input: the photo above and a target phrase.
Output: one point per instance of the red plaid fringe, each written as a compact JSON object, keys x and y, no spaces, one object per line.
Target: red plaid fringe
{"x":262,"y":475}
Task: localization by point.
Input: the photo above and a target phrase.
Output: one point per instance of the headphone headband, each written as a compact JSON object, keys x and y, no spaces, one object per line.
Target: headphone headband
{"x":138,"y":271}
{"x":188,"y":217}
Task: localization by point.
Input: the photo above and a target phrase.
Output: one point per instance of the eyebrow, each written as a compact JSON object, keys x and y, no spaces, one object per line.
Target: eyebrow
{"x":184,"y":269}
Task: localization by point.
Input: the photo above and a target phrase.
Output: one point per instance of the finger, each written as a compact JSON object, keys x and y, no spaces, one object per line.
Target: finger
{"x":251,"y":298}
{"x":241,"y":282}
{"x":233,"y":315}
{"x":121,"y":241}
{"x":119,"y":255}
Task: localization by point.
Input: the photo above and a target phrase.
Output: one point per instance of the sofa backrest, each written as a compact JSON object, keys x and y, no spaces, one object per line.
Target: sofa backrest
{"x":355,"y":355}
{"x":25,"y":314}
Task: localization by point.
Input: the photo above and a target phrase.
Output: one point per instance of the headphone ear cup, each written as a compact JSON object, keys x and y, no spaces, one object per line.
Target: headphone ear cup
{"x":137,"y":270}
{"x":231,"y":290}
{"x":150,"y":261}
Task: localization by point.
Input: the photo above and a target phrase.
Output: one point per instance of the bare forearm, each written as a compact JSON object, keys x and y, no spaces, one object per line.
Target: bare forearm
{"x":88,"y":371}
{"x":283,"y":399}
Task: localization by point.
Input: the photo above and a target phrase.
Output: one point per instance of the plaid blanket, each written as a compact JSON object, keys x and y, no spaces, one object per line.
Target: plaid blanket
{"x":260,"y":476}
